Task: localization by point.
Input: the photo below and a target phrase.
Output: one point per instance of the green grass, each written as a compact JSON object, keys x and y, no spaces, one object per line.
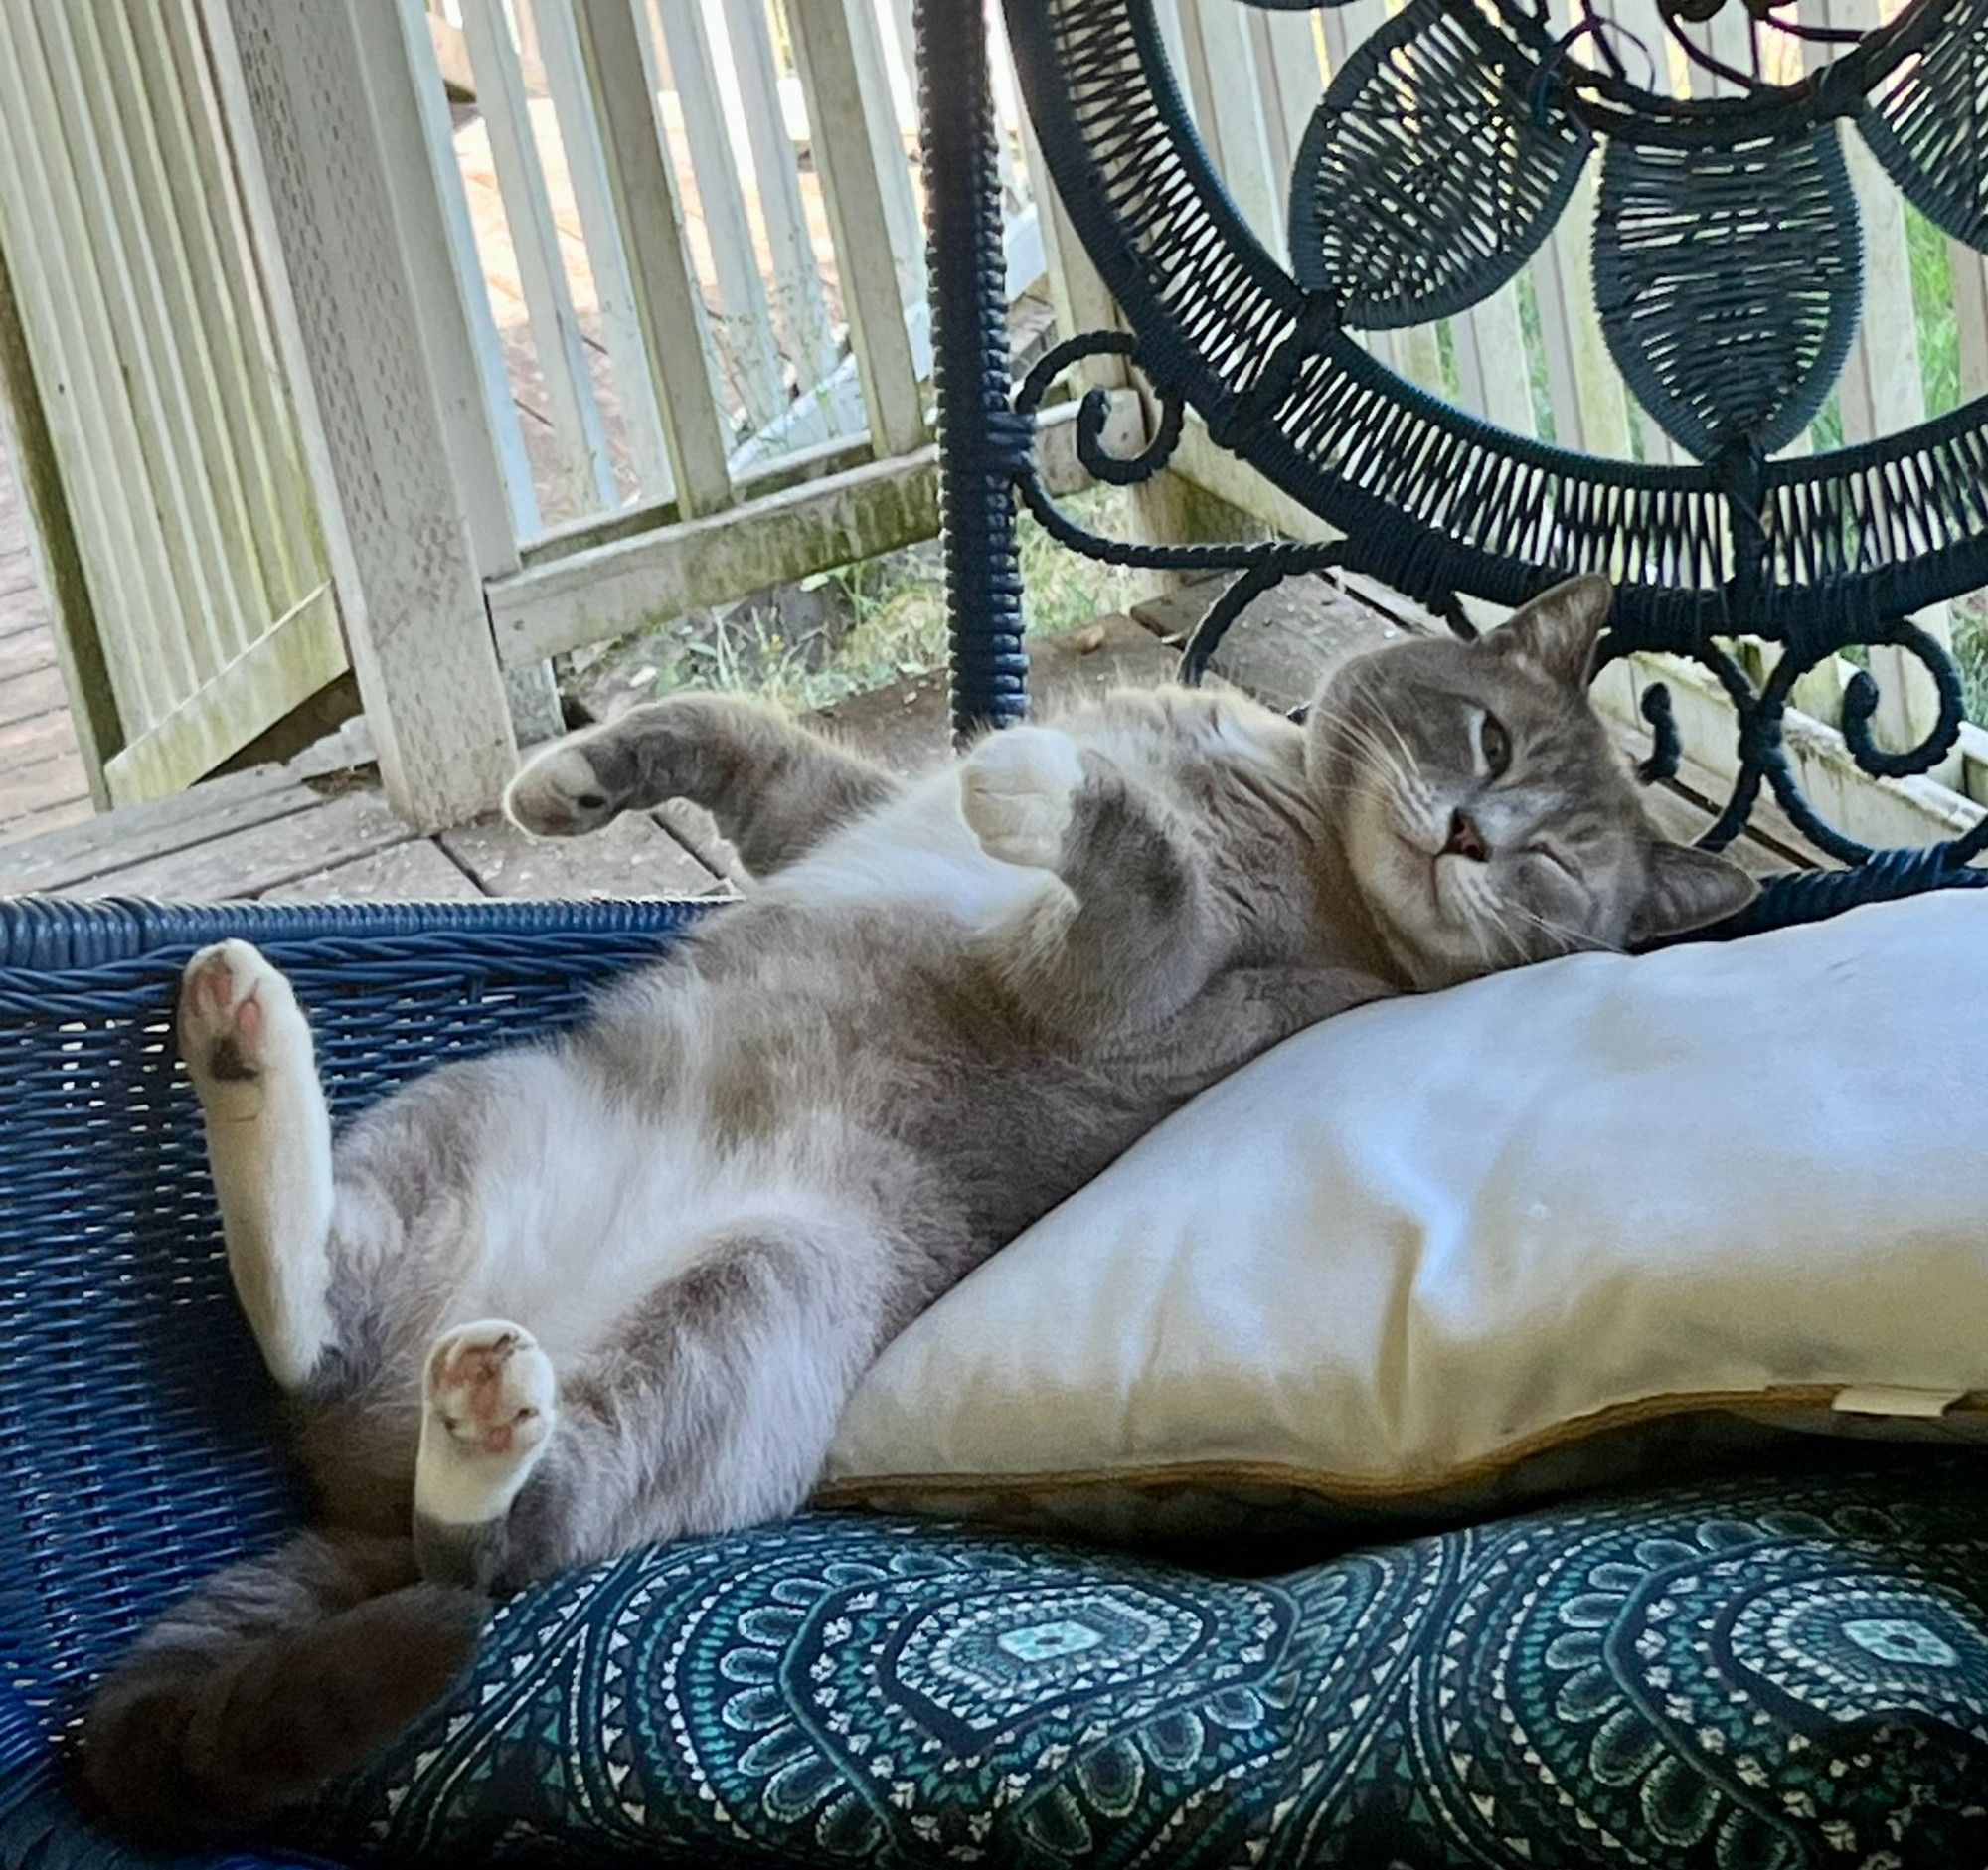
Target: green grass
{"x":897,"y":608}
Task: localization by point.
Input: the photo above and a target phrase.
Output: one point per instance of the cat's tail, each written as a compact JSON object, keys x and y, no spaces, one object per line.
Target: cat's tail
{"x":278,"y":1675}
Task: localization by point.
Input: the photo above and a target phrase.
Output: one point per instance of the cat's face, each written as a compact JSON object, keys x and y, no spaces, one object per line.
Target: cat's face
{"x":1482,"y":807}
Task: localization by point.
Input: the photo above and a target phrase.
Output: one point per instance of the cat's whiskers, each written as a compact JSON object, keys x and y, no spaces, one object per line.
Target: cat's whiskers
{"x":1413,"y":798}
{"x":1579,"y":940}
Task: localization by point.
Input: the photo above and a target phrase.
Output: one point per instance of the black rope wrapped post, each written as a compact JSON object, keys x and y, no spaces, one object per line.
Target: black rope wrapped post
{"x":982,"y":444}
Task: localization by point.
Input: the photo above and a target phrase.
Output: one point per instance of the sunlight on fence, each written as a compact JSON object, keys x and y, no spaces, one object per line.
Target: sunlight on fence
{"x":790,"y":170}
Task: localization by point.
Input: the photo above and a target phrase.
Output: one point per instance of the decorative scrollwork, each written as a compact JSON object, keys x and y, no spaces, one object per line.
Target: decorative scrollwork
{"x":1764,"y":763}
{"x":1761,"y":711}
{"x":1860,"y":707}
{"x":1263,"y":564}
{"x":1808,"y":557}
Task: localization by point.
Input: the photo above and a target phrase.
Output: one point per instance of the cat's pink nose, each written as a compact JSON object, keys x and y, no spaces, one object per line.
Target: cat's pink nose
{"x":1465,"y":840}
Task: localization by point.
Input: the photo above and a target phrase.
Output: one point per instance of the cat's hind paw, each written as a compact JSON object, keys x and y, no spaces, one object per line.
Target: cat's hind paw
{"x":1017,"y":791}
{"x":239,"y":1021}
{"x":488,"y":1403}
{"x":557,"y":794}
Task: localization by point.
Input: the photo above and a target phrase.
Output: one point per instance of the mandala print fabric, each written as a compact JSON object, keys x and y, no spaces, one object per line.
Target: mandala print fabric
{"x":1756,"y":1675}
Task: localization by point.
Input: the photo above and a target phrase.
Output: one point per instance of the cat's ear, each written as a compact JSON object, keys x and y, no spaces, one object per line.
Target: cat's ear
{"x":1687,"y":889}
{"x":1557,"y":632}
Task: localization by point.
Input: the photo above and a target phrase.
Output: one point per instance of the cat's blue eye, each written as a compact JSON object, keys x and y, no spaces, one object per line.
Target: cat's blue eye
{"x":1495,"y":743}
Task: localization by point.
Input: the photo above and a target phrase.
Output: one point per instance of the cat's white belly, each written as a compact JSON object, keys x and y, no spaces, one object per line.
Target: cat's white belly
{"x":915,"y":853}
{"x":587,"y":1209}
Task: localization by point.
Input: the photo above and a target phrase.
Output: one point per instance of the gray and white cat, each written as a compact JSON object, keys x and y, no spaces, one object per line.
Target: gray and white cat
{"x":577,"y":1297}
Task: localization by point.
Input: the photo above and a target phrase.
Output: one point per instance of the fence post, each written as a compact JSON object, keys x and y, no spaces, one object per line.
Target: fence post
{"x":319,"y":92}
{"x":621,"y":71}
{"x":858,"y":200}
{"x":1882,"y":390}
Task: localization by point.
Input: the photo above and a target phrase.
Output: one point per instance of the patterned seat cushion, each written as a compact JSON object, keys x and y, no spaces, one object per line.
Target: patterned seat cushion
{"x":1752,"y":1673}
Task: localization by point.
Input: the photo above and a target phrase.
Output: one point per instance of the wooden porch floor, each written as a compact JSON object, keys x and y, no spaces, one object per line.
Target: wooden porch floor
{"x":318,"y":830}
{"x":42,"y":781}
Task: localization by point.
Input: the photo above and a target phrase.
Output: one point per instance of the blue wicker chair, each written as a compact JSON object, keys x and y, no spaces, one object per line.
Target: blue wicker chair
{"x":137,"y":1444}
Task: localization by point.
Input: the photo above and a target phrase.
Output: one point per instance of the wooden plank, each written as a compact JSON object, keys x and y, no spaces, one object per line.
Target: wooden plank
{"x":1228,"y":92}
{"x":743,"y":330}
{"x":634,"y":857}
{"x":299,"y":655}
{"x":908,"y":728}
{"x":1494,"y":378}
{"x":451,"y":54}
{"x":500,"y":499}
{"x":68,"y":324}
{"x":1882,"y":391}
{"x":607,"y":256}
{"x":43,"y":784}
{"x":1082,"y":301}
{"x":255,"y":397}
{"x":185,"y":289}
{"x":1287,"y":644}
{"x":418,"y":870}
{"x":586,"y":471}
{"x":307,"y":90}
{"x":1589,"y":403}
{"x":621,"y":77}
{"x":1292,"y":72}
{"x":25,"y":651}
{"x":254,"y":796}
{"x":29,"y":741}
{"x":610,"y":588}
{"x":887,"y":141}
{"x":799,"y":306}
{"x":209,"y":622}
{"x":330,"y":832}
{"x":23,"y":697}
{"x":860,"y":225}
{"x":207,"y":812}
{"x":49,"y":819}
{"x":69,"y":631}
{"x":1970,"y":270}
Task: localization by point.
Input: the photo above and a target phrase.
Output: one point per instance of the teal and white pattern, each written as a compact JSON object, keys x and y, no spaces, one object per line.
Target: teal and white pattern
{"x":1752,"y":1676}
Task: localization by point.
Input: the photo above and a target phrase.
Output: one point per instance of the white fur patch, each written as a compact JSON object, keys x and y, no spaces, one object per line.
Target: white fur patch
{"x":268,"y":1143}
{"x":918,"y":853}
{"x":457,"y":1480}
{"x":1015,"y":793}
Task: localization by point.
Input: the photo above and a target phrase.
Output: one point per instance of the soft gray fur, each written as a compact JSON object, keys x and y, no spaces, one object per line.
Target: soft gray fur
{"x":571,"y":1299}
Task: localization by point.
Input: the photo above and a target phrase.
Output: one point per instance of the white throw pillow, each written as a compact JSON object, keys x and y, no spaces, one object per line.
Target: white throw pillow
{"x":1418,"y":1248}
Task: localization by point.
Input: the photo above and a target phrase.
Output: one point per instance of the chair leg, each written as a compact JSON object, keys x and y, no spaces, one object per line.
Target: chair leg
{"x":982,"y":443}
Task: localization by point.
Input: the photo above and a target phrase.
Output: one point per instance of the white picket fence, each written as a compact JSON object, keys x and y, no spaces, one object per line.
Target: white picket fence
{"x":199,"y":607}
{"x":791,"y":179}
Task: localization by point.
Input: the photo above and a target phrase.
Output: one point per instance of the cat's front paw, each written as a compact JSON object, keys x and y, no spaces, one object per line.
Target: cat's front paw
{"x":239,"y":1021}
{"x":488,"y":1403}
{"x":1017,"y":791}
{"x":557,"y":794}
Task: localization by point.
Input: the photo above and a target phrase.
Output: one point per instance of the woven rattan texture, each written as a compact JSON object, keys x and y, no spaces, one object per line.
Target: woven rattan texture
{"x":1482,"y":181}
{"x":1927,"y":123}
{"x":1432,"y":500}
{"x":135,"y":1417}
{"x":1729,"y":320}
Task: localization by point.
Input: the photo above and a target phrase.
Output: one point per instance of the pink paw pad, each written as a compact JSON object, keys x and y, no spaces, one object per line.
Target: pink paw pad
{"x":482,"y":1390}
{"x":223,"y":1018}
